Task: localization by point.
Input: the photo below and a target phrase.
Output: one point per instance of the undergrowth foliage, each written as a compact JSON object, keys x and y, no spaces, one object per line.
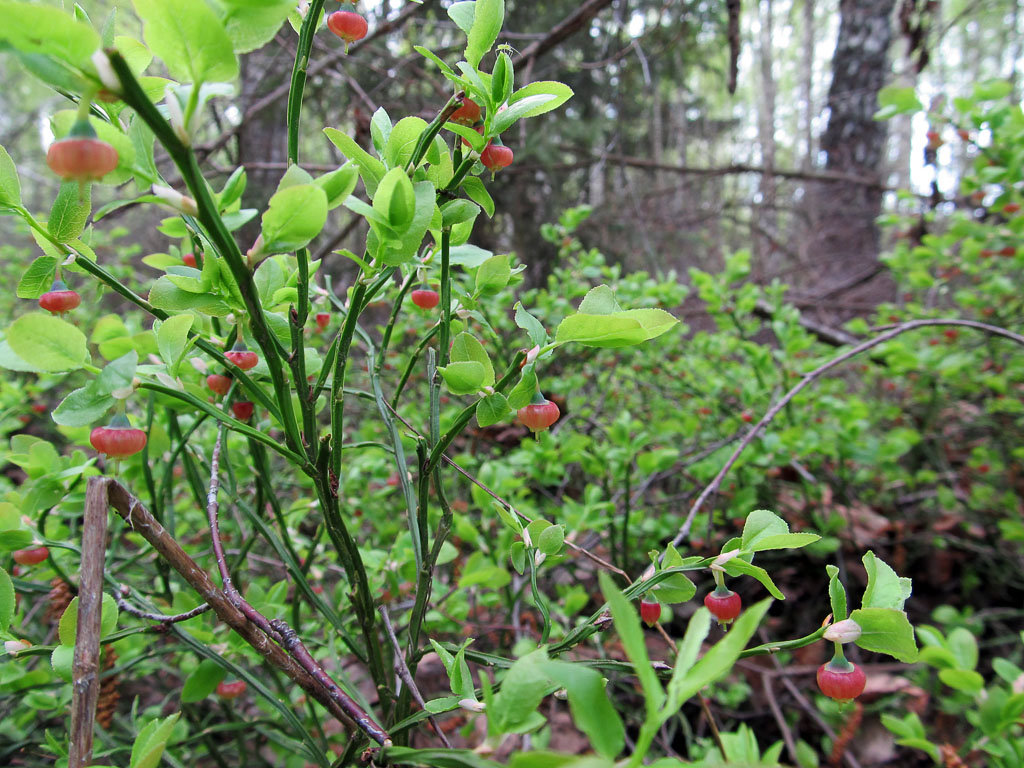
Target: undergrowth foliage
{"x":351,"y":467}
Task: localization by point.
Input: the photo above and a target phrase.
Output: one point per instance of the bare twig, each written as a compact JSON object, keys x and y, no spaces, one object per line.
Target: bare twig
{"x":85,"y":667}
{"x":889,"y":333}
{"x":124,"y":605}
{"x":406,"y":676}
{"x":773,"y":705}
{"x":277,"y":629}
{"x":135,"y":514}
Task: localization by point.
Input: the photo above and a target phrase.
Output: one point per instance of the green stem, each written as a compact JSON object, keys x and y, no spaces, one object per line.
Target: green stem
{"x":298,"y":85}
{"x":446,"y":294}
{"x":220,"y":237}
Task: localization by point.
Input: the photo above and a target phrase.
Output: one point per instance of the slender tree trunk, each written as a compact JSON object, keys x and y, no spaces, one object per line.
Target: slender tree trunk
{"x":766,"y":217}
{"x":846,"y":236}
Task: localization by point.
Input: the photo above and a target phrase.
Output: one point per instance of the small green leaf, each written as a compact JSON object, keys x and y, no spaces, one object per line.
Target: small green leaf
{"x":886,"y":630}
{"x":885,"y":589}
{"x":465,"y":348}
{"x":37,"y":278}
{"x":720,"y":658}
{"x":491,"y":410}
{"x":38,"y":29}
{"x":964,"y":680}
{"x":296,"y":215}
{"x":47,"y":343}
{"x":371,"y":170}
{"x":493,"y":275}
{"x":591,"y":708}
{"x":62,"y":660}
{"x":339,"y":184}
{"x":458,"y":211}
{"x":836,"y":594}
{"x":10,"y":186}
{"x":68,"y":625}
{"x":627,"y":624}
{"x":464,"y":378}
{"x":531,"y":325}
{"x":6,"y":600}
{"x":488,"y":17}
{"x":203,"y":681}
{"x":551,"y":540}
{"x":522,"y":393}
{"x":696,"y":631}
{"x":738,"y":566}
{"x":172,"y":340}
{"x":152,"y":740}
{"x":560,"y":91}
{"x":190,"y":40}
{"x":70,"y":211}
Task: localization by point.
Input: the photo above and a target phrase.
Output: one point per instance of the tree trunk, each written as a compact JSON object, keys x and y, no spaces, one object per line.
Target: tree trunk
{"x":846,"y":239}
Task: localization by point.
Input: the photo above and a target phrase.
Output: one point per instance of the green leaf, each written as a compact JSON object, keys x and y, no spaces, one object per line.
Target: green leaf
{"x":371,"y":170}
{"x":152,"y":740}
{"x":37,"y":278}
{"x":551,"y":540}
{"x":740,"y":567}
{"x":522,"y":393}
{"x":964,"y":680}
{"x":466,"y":348}
{"x":68,"y":625}
{"x":167,"y":296}
{"x":203,"y":681}
{"x":696,"y":631}
{"x":296,"y":215}
{"x":458,"y":212}
{"x":560,"y":91}
{"x":464,"y":378}
{"x":63,"y":660}
{"x":885,"y":589}
{"x":621,"y":329}
{"x":886,"y":630}
{"x":491,"y":410}
{"x":35,"y":28}
{"x":599,"y":301}
{"x":6,"y":600}
{"x":502,"y":80}
{"x":627,"y":624}
{"x":836,"y":594}
{"x":488,"y":17}
{"x":401,"y":142}
{"x":764,"y":530}
{"x":88,"y":404}
{"x":251,"y":25}
{"x":10,"y":186}
{"x":189,"y":38}
{"x":720,"y":658}
{"x":531,"y":325}
{"x":493,"y":275}
{"x":477,"y":191}
{"x":47,"y":343}
{"x":591,"y":708}
{"x":70,"y":211}
{"x":172,"y":340}
{"x":339,"y":184}
{"x":676,"y":588}
{"x":963,"y":647}
{"x":506,"y":118}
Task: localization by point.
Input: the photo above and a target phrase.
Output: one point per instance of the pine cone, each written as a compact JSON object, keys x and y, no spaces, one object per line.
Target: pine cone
{"x":106,"y":705}
{"x":59,"y":599}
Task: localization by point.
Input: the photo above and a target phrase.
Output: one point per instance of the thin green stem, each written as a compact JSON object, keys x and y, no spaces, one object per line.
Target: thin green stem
{"x":298,"y":84}
{"x":218,"y":234}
